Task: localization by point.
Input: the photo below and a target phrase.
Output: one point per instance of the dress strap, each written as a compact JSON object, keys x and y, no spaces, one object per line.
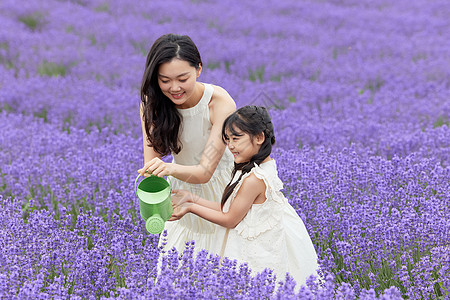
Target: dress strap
{"x":207,"y":94}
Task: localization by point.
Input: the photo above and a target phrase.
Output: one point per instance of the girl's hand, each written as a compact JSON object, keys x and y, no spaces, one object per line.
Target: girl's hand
{"x":181,"y":202}
{"x":179,"y":212}
{"x":181,"y":197}
{"x":157,"y":167}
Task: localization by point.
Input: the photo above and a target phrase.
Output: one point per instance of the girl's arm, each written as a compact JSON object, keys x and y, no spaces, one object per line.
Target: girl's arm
{"x":222,"y":106}
{"x":182,"y":198}
{"x":249,"y":191}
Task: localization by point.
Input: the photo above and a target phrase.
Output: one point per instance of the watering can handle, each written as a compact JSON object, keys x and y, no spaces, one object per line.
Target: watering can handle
{"x":135,"y":183}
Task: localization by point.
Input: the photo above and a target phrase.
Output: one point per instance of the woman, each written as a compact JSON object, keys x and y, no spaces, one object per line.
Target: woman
{"x":184,"y":117}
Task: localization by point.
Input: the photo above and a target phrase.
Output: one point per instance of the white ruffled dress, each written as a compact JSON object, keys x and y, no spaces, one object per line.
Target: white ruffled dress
{"x":271,"y":235}
{"x":195,"y":130}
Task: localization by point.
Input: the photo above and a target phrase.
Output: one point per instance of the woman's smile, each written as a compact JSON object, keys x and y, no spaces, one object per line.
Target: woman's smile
{"x":177,"y":96}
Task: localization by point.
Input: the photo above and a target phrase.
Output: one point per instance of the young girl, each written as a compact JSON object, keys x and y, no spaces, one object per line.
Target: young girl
{"x":261,"y":226}
{"x":184,"y":117}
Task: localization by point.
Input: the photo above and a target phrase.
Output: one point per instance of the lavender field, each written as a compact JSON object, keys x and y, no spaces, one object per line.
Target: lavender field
{"x":359,"y":92}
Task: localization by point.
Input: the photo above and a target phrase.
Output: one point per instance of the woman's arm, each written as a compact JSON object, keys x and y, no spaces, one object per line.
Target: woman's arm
{"x":249,"y":191}
{"x":221,"y":107}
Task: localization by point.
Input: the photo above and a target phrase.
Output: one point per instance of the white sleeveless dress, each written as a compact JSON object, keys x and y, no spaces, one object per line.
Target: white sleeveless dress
{"x":271,"y":235}
{"x":195,"y":131}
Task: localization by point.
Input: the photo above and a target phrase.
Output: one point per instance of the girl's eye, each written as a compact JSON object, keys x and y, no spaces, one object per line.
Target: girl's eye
{"x":183,"y":80}
{"x":164,"y":81}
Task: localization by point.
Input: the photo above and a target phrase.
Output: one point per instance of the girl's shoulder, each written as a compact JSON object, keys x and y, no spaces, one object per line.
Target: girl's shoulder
{"x":268,"y":173}
{"x":254,"y":182}
{"x":266,"y":169}
{"x":263,"y":177}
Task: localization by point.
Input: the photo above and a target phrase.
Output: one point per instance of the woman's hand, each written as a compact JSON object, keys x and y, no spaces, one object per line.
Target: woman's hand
{"x":157,"y":167}
{"x":181,"y":203}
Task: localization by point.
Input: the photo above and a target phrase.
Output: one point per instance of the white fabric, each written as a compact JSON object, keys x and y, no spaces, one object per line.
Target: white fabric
{"x":195,"y":131}
{"x":271,"y":235}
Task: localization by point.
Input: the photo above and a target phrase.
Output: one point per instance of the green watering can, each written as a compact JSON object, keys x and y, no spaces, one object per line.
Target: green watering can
{"x":155,"y":203}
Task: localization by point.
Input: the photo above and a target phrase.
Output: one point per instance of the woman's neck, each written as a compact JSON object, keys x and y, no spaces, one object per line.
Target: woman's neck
{"x":196,"y":96}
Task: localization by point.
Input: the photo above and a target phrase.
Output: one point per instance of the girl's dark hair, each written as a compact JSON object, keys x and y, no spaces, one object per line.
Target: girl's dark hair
{"x":161,"y":119}
{"x":252,"y":120}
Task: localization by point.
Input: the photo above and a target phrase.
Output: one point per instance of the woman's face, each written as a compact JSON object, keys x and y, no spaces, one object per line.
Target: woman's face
{"x":177,"y":79}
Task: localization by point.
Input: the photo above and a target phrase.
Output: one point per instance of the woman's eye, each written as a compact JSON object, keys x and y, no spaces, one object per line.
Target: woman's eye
{"x":183,"y":80}
{"x":164,"y":81}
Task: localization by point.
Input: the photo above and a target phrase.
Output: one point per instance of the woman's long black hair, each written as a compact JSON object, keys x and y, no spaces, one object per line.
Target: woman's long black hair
{"x":161,"y":119}
{"x":252,"y":120}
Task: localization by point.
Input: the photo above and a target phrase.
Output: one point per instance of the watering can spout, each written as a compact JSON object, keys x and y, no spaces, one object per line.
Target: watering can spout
{"x":155,"y":204}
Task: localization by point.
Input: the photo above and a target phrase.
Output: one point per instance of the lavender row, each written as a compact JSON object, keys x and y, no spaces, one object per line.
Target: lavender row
{"x":348,"y":201}
{"x":45,"y":258}
{"x":398,"y":38}
{"x":325,"y":68}
{"x":53,"y":168}
{"x":414,"y":125}
{"x":376,"y":223}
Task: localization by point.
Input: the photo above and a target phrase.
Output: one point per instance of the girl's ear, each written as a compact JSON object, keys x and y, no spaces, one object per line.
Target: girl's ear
{"x":260,"y":138}
{"x":199,"y":70}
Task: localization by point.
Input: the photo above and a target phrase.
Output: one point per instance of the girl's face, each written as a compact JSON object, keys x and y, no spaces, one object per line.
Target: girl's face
{"x":177,"y":79}
{"x":242,"y":145}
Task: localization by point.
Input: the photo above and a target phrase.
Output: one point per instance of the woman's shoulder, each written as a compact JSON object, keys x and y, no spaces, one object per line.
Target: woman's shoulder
{"x":222,"y":97}
{"x":221,"y":104}
{"x":219,"y":91}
